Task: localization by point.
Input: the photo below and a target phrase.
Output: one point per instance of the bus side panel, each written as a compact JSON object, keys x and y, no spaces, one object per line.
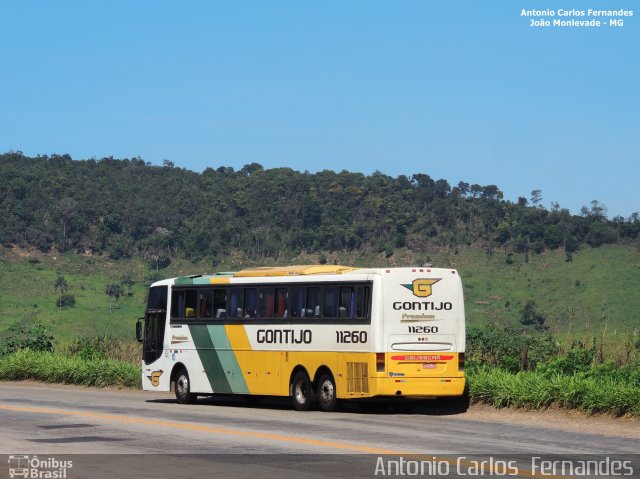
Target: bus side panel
{"x":219,"y":360}
{"x":260,"y":369}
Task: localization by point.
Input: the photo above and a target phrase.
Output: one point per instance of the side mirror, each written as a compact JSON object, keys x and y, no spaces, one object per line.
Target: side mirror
{"x":139,"y":330}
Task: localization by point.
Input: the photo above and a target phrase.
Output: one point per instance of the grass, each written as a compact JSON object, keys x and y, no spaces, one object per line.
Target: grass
{"x":60,"y":368}
{"x":535,"y":390}
{"x":582,"y":298}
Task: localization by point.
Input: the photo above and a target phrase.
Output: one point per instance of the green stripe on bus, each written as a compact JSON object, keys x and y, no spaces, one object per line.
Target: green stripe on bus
{"x":227,"y":358}
{"x":210,"y":360}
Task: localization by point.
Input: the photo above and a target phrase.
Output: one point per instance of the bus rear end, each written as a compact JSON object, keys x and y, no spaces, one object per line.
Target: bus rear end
{"x":423,"y":328}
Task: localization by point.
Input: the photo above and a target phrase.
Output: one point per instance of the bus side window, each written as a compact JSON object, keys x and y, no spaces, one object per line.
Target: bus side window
{"x":206,"y":303}
{"x":330,"y":303}
{"x":184,"y":304}
{"x":347,"y":302}
{"x":313,"y":303}
{"x":282,"y":296}
{"x":267,"y":302}
{"x":362,"y":302}
{"x":298,"y":300}
{"x":236,"y":301}
{"x":191,"y":303}
{"x":177,"y":304}
{"x":250,"y":302}
{"x":220,"y":303}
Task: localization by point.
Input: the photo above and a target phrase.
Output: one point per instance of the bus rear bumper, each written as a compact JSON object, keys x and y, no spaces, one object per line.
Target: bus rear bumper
{"x":417,"y":387}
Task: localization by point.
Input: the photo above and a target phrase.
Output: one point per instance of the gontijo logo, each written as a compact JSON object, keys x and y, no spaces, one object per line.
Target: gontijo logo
{"x":155,"y":378}
{"x":421,"y":287}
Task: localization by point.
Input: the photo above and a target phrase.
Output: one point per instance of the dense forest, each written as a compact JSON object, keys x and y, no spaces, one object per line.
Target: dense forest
{"x":125,"y":207}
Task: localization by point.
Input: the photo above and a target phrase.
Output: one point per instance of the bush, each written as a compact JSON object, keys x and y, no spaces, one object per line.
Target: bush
{"x":105,"y":347}
{"x":89,"y":349}
{"x":531,"y":316}
{"x":22,"y":336}
{"x":507,"y":348}
{"x":66,"y":301}
{"x":578,"y":359}
{"x":57,"y":368}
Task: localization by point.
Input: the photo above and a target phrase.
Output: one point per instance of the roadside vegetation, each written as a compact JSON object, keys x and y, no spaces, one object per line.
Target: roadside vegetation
{"x":509,"y":368}
{"x":28,"y":353}
{"x":504,"y":368}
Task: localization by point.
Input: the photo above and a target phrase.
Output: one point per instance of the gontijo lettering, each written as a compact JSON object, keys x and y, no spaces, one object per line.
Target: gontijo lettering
{"x":284,"y":336}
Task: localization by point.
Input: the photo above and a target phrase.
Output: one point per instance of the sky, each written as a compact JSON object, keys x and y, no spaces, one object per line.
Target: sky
{"x":460,"y":90}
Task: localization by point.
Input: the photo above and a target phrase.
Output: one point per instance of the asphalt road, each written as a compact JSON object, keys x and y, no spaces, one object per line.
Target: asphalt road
{"x":109,"y":426}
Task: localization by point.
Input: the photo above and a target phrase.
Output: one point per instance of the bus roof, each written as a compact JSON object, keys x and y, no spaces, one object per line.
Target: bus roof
{"x":293,"y":270}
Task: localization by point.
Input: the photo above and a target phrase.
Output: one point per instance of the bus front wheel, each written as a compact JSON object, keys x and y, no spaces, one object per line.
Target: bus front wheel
{"x":327,"y":393}
{"x":183,"y":388}
{"x":302,"y":392}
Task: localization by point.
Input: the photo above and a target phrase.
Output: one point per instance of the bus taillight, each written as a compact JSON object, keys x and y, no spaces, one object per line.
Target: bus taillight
{"x":460,"y":361}
{"x":380,"y":362}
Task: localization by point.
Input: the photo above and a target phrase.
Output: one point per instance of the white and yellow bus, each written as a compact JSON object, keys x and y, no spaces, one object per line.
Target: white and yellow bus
{"x":318,"y":334}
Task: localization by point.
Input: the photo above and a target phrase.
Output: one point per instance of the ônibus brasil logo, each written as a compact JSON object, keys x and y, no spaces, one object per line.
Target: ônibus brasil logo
{"x":38,"y":468}
{"x":421,"y":287}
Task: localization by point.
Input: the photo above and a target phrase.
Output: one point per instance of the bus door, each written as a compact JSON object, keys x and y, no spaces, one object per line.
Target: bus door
{"x":154,"y":322}
{"x":154,"y":325}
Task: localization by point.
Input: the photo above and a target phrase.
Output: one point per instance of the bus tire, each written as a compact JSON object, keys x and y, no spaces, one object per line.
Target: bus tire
{"x":460,"y":404}
{"x":302,"y":392}
{"x":327,"y":393}
{"x":183,"y":388}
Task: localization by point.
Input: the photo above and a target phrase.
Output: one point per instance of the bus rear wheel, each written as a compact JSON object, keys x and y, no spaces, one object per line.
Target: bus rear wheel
{"x":302,"y":392}
{"x":327,"y":393}
{"x":183,"y":388}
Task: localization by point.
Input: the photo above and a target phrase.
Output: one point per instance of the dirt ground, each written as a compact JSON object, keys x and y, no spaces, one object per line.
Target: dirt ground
{"x":558,"y":419}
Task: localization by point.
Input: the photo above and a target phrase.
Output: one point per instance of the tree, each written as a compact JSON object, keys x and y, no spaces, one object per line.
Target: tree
{"x":597,"y":212}
{"x":156,"y":247}
{"x":66,"y":208}
{"x":536,"y":197}
{"x":530,"y":316}
{"x":114,"y":291}
{"x":491,"y":192}
{"x":464,"y":188}
{"x":61,"y":286}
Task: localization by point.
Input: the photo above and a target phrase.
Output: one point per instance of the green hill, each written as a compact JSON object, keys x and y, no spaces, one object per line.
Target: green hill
{"x":592,"y":294}
{"x":93,"y":223}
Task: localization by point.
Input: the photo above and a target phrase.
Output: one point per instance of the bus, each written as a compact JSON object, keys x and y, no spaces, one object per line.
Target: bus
{"x":316,"y":333}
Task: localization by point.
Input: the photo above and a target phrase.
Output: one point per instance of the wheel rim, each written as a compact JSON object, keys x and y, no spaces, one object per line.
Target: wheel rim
{"x":301,"y":392}
{"x":327,"y":392}
{"x":183,"y":386}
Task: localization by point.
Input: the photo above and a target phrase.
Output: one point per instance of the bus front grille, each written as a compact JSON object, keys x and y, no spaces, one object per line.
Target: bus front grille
{"x":357,"y":378}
